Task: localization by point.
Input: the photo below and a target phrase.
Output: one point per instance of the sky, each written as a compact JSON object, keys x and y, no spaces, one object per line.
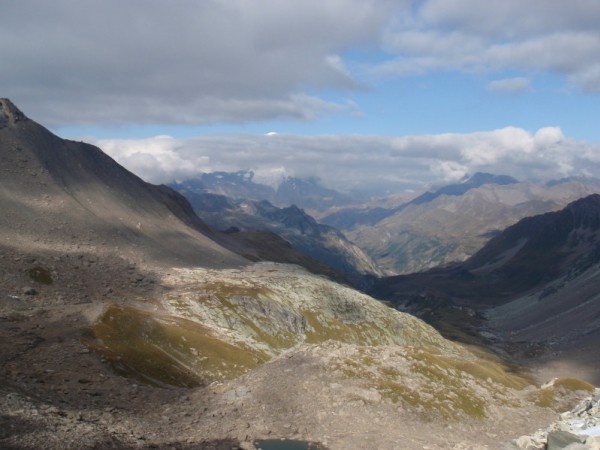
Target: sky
{"x":373,"y":95}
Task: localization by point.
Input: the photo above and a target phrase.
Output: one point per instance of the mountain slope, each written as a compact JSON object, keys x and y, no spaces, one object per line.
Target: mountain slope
{"x":319,"y":242}
{"x":451,"y":228}
{"x":59,"y":191}
{"x":351,"y":217}
{"x":542,"y":248}
{"x":536,"y":282}
{"x":477,"y":180}
{"x":524,"y":257}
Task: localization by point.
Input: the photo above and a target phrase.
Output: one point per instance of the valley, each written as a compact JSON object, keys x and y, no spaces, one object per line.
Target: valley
{"x":134,"y":317}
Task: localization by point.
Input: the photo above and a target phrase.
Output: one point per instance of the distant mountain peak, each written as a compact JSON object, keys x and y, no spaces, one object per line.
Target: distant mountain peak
{"x":475,"y":181}
{"x":9,"y":113}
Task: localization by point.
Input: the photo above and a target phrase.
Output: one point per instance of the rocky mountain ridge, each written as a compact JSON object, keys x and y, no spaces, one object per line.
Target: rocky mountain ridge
{"x":314,"y":240}
{"x":60,"y":191}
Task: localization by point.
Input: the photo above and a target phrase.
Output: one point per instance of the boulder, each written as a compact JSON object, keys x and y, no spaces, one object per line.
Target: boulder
{"x":561,"y":440}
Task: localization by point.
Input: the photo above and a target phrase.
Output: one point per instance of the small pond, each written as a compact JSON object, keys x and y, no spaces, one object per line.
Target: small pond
{"x":287,"y":444}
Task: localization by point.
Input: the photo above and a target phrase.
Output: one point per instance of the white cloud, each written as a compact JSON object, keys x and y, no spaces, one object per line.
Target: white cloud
{"x":448,"y":170}
{"x":370,"y":163}
{"x":233,"y":61}
{"x":158,"y":159}
{"x":548,"y":136}
{"x":478,"y":35}
{"x":181,"y":62}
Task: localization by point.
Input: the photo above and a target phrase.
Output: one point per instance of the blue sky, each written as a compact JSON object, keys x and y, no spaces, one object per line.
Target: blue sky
{"x":443,"y":87}
{"x":428,"y":104}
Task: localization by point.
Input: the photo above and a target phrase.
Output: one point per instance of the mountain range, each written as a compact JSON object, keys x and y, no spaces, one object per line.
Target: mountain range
{"x":128,"y":322}
{"x":452,"y":223}
{"x":407,"y":232}
{"x":306,"y":193}
{"x":317,"y":241}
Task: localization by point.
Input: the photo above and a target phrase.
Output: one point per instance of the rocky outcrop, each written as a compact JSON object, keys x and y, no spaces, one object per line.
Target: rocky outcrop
{"x":578,"y":429}
{"x":9,"y":113}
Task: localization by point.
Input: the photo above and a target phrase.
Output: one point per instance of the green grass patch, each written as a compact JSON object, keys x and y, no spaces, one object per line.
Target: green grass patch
{"x":440,"y":396}
{"x":483,"y":370}
{"x":439,"y":391}
{"x":549,"y":396}
{"x":161,"y":349}
{"x":573,"y":385}
{"x":324,"y":328}
{"x":440,"y":386}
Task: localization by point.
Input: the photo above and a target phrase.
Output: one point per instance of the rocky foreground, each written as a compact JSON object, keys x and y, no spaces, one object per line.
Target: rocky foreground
{"x":578,"y":429}
{"x":205,"y":358}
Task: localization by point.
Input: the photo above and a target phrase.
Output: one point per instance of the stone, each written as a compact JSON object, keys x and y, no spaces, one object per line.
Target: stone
{"x":29,"y":291}
{"x":527,"y":443}
{"x":559,"y":440}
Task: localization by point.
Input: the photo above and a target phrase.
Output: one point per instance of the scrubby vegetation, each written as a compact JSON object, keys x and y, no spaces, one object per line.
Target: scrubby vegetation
{"x":548,"y":396}
{"x":435,"y":385}
{"x":219,"y":328}
{"x":162,"y":349}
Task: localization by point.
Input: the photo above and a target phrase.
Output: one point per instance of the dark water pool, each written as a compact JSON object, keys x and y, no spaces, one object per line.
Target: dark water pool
{"x":286,"y":444}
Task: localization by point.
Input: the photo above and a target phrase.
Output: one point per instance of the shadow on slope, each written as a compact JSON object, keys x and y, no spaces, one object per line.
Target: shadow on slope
{"x":533,"y":286}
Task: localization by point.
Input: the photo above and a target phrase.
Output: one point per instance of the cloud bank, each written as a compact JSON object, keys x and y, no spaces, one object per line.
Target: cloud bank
{"x":375,"y":164}
{"x":68,"y":62}
{"x":184,"y":62}
{"x":477,"y":35}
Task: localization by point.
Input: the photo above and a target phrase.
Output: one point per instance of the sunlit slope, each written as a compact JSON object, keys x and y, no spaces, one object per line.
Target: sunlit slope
{"x":214,"y":325}
{"x":261,"y":312}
